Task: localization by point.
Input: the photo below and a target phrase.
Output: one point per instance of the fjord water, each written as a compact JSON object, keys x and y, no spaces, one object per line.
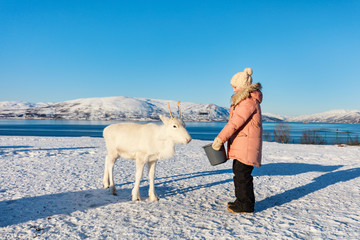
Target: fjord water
{"x":198,"y":130}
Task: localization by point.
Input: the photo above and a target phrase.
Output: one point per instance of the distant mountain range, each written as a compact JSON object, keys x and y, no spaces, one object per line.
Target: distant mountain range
{"x":334,"y":116}
{"x":143,"y":109}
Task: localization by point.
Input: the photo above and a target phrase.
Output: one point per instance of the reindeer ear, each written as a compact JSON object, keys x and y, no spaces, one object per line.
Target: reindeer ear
{"x":164,"y":119}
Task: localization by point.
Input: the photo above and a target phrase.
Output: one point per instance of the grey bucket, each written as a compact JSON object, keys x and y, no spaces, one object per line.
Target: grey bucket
{"x":215,"y":157}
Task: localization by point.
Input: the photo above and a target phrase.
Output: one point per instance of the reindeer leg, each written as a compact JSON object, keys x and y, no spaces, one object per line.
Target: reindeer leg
{"x":108,"y":180}
{"x":106,"y":173}
{"x":140,"y":163}
{"x":152,"y":194}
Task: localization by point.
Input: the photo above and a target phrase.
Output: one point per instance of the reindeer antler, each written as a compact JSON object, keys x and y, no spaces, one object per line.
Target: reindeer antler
{"x":178,"y":103}
{"x":170,"y":111}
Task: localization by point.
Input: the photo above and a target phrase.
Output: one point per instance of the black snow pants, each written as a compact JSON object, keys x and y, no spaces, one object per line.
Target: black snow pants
{"x":244,"y":188}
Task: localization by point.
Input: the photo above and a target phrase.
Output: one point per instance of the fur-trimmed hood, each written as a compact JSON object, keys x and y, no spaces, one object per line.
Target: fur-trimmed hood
{"x":254,"y":90}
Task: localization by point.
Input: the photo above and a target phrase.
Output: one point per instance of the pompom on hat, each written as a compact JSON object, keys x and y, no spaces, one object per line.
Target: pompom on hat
{"x":242,"y":79}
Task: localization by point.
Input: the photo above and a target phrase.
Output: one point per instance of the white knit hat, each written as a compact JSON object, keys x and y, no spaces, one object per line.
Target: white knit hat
{"x":242,"y":79}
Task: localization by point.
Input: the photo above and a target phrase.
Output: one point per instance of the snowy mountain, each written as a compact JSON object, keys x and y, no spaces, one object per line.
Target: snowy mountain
{"x":19,"y":105}
{"x":128,"y":108}
{"x":335,"y":116}
{"x":269,"y":117}
{"x":113,"y":108}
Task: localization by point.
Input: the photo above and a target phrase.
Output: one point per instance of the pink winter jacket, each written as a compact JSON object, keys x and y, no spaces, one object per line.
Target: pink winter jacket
{"x":244,"y":129}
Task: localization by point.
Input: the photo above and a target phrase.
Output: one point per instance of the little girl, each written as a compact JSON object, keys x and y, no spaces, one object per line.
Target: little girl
{"x":243,"y":132}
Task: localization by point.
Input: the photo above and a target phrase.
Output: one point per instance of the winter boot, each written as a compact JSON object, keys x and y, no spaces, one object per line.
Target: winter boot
{"x":230,"y":204}
{"x":237,"y":209}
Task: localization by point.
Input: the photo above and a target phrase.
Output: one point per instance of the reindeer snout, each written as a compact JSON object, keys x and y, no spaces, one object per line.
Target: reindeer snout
{"x":188,"y":140}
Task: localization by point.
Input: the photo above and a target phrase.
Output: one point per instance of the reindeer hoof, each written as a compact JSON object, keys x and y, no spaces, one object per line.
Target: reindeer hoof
{"x":136,"y":198}
{"x":114,"y":191}
{"x":153,"y":199}
{"x":105,"y":184}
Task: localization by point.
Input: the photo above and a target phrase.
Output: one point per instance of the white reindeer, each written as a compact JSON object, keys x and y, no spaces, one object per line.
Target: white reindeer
{"x":144,"y":143}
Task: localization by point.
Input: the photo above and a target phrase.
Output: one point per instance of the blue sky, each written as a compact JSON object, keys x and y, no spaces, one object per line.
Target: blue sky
{"x":306,"y":54}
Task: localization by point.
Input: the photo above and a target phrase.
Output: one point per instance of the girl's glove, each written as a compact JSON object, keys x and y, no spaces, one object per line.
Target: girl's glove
{"x":217,"y":144}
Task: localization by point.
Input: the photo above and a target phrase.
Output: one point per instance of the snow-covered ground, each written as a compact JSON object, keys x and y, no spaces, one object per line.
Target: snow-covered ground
{"x":50,"y":188}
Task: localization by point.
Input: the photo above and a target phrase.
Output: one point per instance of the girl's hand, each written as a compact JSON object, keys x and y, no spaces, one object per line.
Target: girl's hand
{"x":217,"y":144}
